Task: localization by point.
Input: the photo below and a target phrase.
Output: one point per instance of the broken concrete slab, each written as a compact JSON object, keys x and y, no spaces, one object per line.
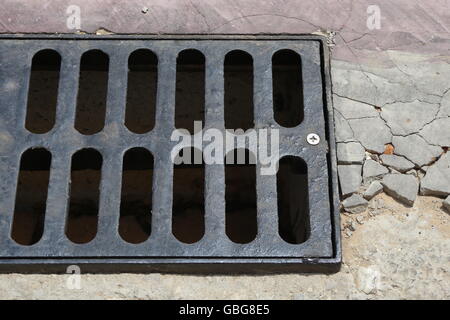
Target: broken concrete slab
{"x":350,"y":153}
{"x":373,"y":133}
{"x":398,"y":163}
{"x":355,"y":204}
{"x":446,"y":203}
{"x":342,"y":129}
{"x":437,"y":178}
{"x":378,"y":86}
{"x":437,"y":132}
{"x":350,"y":81}
{"x":402,"y":187}
{"x":375,"y":188}
{"x":417,"y":70}
{"x":349,"y":178}
{"x":408,"y":117}
{"x":373,"y":169}
{"x":416,"y":149}
{"x":351,"y":109}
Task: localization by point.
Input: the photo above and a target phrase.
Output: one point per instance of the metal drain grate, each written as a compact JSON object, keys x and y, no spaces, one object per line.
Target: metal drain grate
{"x":63,"y":160}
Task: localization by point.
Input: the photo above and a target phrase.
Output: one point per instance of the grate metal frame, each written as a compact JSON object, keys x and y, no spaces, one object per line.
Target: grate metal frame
{"x":162,"y":251}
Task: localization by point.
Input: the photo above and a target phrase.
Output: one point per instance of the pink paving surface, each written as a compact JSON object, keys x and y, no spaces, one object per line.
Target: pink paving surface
{"x":410,"y":25}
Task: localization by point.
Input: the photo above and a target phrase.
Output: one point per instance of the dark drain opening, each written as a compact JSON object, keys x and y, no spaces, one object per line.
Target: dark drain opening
{"x":293,"y":205}
{"x":43,"y":91}
{"x":287,"y":88}
{"x":31,"y":196}
{"x":92,"y":90}
{"x":141,"y":91}
{"x":240,"y":197}
{"x":190,"y":89}
{"x":136,"y":195}
{"x":82,"y":219}
{"x":238,"y":77}
{"x":188,"y":209}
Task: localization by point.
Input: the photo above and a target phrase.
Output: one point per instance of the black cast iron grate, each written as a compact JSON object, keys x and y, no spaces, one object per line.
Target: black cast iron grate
{"x":40,"y":147}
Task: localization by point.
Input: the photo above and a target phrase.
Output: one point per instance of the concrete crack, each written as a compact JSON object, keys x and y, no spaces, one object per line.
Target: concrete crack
{"x":440,"y":104}
{"x":359,"y":63}
{"x":350,"y":127}
{"x":265,"y":15}
{"x":200,"y":14}
{"x":352,"y":99}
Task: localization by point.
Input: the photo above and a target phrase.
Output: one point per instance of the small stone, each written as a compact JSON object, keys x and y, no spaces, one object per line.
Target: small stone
{"x":375,"y":212}
{"x":373,"y":133}
{"x":373,"y":169}
{"x":103,"y":31}
{"x":437,"y":132}
{"x":408,"y":117}
{"x":437,"y":179}
{"x":388,"y":149}
{"x":413,"y":172}
{"x":398,"y":163}
{"x":349,"y":178}
{"x":375,"y":188}
{"x":420,"y":174}
{"x":402,"y":187}
{"x":380,"y":204}
{"x":368,"y":280}
{"x":360,"y":220}
{"x":355,"y":204}
{"x":144,"y":10}
{"x":350,"y":225}
{"x":446,"y":204}
{"x":416,"y":149}
{"x":377,"y":204}
{"x":350,"y":153}
{"x":372,"y":156}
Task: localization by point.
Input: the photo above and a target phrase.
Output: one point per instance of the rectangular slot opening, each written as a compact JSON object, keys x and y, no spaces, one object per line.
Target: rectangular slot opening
{"x":293,"y":201}
{"x":188,"y":209}
{"x":190,"y":89}
{"x":238,"y":95}
{"x":287,"y":88}
{"x":81,"y":224}
{"x":31,"y":196}
{"x":136,"y":195}
{"x":92,"y":91}
{"x":43,"y":91}
{"x":141,"y":91}
{"x":240,"y":196}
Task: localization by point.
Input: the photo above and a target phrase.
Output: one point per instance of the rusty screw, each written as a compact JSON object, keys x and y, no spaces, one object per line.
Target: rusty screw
{"x":313,"y":138}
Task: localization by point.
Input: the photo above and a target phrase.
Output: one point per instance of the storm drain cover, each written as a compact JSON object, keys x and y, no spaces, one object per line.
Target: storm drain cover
{"x":174,"y":154}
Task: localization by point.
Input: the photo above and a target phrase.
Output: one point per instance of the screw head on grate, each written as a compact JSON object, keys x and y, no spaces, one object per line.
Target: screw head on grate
{"x":313,"y":138}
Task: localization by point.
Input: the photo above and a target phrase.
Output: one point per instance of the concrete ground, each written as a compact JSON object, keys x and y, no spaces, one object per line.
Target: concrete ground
{"x":391,"y":94}
{"x":393,"y":253}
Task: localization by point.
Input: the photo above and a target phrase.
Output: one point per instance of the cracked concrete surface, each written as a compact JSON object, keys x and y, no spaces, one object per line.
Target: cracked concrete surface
{"x":404,"y":106}
{"x":391,"y":92}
